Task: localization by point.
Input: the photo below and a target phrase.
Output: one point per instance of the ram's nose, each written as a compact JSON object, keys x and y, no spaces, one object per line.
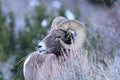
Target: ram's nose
{"x":41,"y":47}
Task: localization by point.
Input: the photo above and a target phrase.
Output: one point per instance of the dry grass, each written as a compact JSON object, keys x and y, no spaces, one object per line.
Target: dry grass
{"x":77,"y":66}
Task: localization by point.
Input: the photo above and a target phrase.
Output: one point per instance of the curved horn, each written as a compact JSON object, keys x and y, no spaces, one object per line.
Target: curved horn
{"x":56,"y":22}
{"x":80,"y":33}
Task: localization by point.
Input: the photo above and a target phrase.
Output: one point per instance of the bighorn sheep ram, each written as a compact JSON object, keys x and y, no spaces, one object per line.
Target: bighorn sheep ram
{"x":64,"y":35}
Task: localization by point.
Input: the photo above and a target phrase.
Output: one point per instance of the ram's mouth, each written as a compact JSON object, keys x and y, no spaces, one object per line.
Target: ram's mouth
{"x":42,"y":51}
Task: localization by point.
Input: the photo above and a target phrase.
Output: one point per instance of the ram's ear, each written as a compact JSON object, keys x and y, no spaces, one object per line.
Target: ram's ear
{"x":69,"y":37}
{"x":71,"y":34}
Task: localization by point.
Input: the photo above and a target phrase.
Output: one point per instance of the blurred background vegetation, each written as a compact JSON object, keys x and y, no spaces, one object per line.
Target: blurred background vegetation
{"x":16,"y":45}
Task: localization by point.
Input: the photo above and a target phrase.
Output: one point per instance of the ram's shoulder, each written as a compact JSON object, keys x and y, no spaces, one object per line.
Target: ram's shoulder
{"x":37,"y":58}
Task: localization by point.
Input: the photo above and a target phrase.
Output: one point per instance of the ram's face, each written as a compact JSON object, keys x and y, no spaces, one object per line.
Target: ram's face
{"x":51,"y":43}
{"x":63,"y":32}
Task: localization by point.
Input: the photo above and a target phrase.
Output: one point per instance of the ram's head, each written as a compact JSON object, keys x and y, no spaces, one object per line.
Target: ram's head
{"x":64,"y":34}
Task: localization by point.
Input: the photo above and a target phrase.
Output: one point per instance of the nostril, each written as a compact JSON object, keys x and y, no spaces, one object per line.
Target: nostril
{"x":39,"y":46}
